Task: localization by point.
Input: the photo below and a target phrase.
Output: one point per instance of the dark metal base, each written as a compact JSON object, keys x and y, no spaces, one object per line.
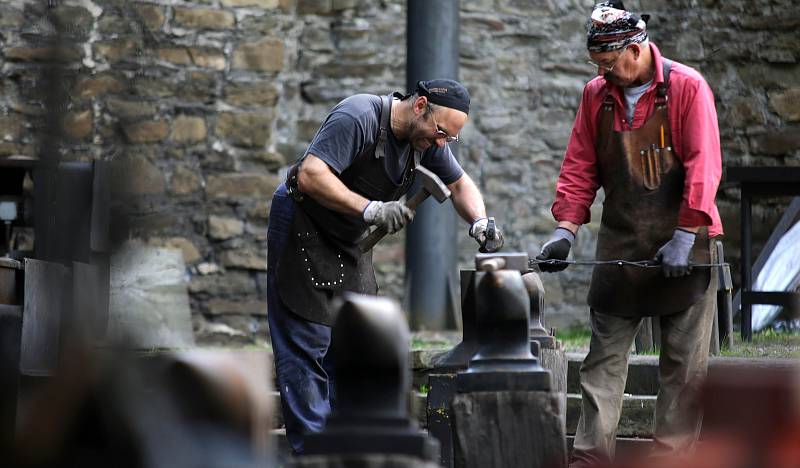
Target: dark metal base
{"x":367,"y":439}
{"x":501,"y":381}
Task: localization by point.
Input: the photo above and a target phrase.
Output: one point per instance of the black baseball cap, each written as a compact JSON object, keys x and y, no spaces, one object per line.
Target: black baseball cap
{"x":443,"y":92}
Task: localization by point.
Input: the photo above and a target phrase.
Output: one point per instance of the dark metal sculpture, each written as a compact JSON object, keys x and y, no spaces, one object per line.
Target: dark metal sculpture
{"x":504,"y":360}
{"x":369,"y":348}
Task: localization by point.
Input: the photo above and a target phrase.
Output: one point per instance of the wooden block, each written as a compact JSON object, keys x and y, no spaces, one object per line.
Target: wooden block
{"x":508,"y":429}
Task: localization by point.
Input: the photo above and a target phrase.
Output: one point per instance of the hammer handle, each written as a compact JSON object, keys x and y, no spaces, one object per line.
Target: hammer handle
{"x":378,"y":234}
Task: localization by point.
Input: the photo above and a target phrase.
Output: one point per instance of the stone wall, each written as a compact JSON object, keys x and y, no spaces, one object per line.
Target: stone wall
{"x":201,"y":104}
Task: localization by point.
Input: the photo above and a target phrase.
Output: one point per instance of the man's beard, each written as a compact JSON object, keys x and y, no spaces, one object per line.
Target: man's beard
{"x":416,"y":135}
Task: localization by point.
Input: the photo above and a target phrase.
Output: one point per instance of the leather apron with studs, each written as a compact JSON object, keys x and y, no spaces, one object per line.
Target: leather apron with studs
{"x":643,"y":182}
{"x":321,"y":259}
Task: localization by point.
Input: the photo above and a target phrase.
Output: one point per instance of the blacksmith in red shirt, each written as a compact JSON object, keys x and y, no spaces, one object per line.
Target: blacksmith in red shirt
{"x":646,"y":132}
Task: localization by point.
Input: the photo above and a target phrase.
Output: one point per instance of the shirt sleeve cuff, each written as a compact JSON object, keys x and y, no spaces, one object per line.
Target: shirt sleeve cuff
{"x":572,"y":212}
{"x":689,"y":217}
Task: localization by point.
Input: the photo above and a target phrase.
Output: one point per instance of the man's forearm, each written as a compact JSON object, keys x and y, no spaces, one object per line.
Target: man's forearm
{"x":318,"y":181}
{"x":467,"y":199}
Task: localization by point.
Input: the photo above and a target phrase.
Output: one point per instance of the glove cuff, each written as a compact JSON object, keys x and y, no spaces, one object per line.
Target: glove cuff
{"x":479,"y":223}
{"x":564,"y":233}
{"x":684,"y":237}
{"x":371,"y":211}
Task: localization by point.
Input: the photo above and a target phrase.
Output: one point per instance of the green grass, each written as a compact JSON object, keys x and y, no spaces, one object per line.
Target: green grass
{"x":574,"y":339}
{"x":765,"y":344}
{"x":421,"y":344}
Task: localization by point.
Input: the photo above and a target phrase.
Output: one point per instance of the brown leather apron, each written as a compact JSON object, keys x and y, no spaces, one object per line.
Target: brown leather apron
{"x":321,"y":258}
{"x":643,"y":182}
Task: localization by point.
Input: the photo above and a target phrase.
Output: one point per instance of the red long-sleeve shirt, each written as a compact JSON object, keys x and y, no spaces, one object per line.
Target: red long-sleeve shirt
{"x":695,"y":139}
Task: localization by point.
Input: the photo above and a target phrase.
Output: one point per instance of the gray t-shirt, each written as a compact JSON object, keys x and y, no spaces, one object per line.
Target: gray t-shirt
{"x":632,"y":96}
{"x":353,"y":125}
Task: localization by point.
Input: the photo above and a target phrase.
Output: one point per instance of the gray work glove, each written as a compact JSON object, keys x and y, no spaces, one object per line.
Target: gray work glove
{"x":489,"y":237}
{"x":391,"y":216}
{"x":674,"y":255}
{"x":556,"y":248}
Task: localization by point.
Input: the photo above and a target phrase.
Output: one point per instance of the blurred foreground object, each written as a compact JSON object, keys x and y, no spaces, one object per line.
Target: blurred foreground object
{"x":751,"y":420}
{"x":189,"y":409}
{"x":370,"y":425}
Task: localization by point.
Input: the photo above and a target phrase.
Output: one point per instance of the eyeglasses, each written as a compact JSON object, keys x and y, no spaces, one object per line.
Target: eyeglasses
{"x":607,"y":67}
{"x":441,"y":133}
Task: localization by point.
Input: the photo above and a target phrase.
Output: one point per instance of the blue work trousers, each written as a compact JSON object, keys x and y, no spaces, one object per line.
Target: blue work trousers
{"x":304,"y":374}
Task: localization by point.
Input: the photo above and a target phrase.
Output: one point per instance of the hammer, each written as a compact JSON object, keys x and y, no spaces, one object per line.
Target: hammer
{"x":431,"y":185}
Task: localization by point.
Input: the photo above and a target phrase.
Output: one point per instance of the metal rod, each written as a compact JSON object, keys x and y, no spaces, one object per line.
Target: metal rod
{"x":747,"y":281}
{"x":634,"y":263}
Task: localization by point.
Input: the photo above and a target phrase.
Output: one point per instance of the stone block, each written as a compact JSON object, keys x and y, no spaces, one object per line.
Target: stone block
{"x":135,"y":174}
{"x":98,"y":85}
{"x":247,"y":129}
{"x":174,"y":55}
{"x":149,"y":303}
{"x":245,"y":259}
{"x":206,"y":57}
{"x":188,"y":129}
{"x":41,"y":54}
{"x":78,"y":125}
{"x":232,"y":282}
{"x":203,"y":18}
{"x":11,"y":127}
{"x":186,"y":246}
{"x":184,"y":181}
{"x":227,"y":307}
{"x":13,"y":149}
{"x":314,"y":7}
{"x":265,"y":56}
{"x":236,"y":185}
{"x":77,"y":22}
{"x":259,"y":209}
{"x":265,"y":4}
{"x":777,"y":142}
{"x":155,"y":87}
{"x":115,"y":50}
{"x":269,"y":159}
{"x":785,"y":104}
{"x":745,"y":111}
{"x":221,"y":228}
{"x":128,"y":110}
{"x":151,"y":15}
{"x":10,"y":17}
{"x":198,"y":86}
{"x":343,"y":4}
{"x":636,"y":419}
{"x":257,"y":94}
{"x":153,"y":131}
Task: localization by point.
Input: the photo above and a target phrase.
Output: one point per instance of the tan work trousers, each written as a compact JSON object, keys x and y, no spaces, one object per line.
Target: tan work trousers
{"x":683,"y":361}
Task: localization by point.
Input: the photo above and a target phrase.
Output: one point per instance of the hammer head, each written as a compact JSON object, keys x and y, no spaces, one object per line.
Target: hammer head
{"x":433,"y":184}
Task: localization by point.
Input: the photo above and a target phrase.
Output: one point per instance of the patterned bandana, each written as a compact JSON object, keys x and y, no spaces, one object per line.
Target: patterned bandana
{"x":613,"y":28}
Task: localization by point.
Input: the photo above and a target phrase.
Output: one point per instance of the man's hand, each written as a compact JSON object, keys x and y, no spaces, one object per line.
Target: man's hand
{"x":489,"y":241}
{"x":674,"y":255}
{"x":391,"y":216}
{"x":556,"y":248}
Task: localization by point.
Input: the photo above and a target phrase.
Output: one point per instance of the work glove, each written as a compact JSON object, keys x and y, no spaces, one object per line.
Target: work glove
{"x":674,"y":255}
{"x":391,"y":216}
{"x":556,"y":248}
{"x":487,"y":234}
